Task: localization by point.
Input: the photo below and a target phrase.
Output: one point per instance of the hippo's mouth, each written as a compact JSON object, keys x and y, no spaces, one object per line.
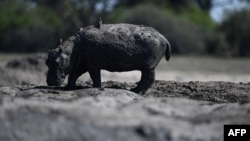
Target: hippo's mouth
{"x":49,"y":83}
{"x":54,"y":82}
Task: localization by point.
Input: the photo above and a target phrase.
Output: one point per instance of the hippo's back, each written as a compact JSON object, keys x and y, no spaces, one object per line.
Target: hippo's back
{"x":128,"y":33}
{"x":123,"y":46}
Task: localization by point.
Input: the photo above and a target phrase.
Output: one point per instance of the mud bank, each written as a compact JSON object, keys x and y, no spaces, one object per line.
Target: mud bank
{"x":169,"y":111}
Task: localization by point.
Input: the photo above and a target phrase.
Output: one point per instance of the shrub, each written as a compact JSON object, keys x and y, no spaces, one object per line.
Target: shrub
{"x":237,"y":30}
{"x":185,"y":37}
{"x":199,"y":17}
{"x":217,"y":45}
{"x":27,"y":28}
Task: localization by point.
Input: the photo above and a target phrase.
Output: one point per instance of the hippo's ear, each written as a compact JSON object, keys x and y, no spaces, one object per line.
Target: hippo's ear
{"x":58,"y":42}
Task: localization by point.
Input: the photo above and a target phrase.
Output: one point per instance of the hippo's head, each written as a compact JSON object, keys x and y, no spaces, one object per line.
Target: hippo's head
{"x":58,"y":62}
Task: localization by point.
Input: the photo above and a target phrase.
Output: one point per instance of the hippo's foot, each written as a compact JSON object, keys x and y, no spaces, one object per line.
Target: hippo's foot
{"x":70,"y":87}
{"x":98,"y":87}
{"x":138,"y":90}
{"x":101,"y":88}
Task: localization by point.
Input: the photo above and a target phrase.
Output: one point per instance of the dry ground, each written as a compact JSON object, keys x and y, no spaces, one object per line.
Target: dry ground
{"x":186,"y":103}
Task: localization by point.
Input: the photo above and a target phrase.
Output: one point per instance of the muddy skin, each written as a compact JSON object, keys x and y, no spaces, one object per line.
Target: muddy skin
{"x":112,"y":47}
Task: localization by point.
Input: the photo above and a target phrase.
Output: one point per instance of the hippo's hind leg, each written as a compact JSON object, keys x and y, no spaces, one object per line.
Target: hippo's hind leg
{"x":147,"y":79}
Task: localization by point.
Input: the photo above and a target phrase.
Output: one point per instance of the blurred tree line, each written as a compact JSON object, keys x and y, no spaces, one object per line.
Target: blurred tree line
{"x":37,"y":25}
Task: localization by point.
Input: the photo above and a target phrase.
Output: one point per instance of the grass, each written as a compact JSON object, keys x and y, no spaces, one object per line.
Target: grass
{"x":183,"y":63}
{"x":5,"y":57}
{"x":206,"y":64}
{"x":179,"y":68}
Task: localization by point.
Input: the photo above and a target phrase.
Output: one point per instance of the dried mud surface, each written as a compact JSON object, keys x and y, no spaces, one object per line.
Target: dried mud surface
{"x":169,"y":111}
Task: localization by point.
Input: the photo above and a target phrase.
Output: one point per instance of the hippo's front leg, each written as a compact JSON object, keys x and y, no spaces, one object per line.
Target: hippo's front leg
{"x":95,"y":75}
{"x":73,"y":76}
{"x":71,"y":81}
{"x":77,"y":70}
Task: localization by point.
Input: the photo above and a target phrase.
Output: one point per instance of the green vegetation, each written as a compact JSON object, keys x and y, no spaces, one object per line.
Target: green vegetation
{"x":36,"y":25}
{"x":176,"y":29}
{"x":199,"y":17}
{"x":237,"y":30}
{"x":27,"y":29}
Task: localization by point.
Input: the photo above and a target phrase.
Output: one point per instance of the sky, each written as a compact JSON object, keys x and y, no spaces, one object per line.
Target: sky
{"x":222,"y":7}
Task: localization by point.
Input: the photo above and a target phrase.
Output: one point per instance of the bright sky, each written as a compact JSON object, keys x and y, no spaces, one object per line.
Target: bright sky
{"x":223,"y":6}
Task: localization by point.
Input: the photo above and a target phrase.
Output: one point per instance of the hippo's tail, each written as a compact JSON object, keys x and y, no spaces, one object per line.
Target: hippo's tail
{"x":168,"y":51}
